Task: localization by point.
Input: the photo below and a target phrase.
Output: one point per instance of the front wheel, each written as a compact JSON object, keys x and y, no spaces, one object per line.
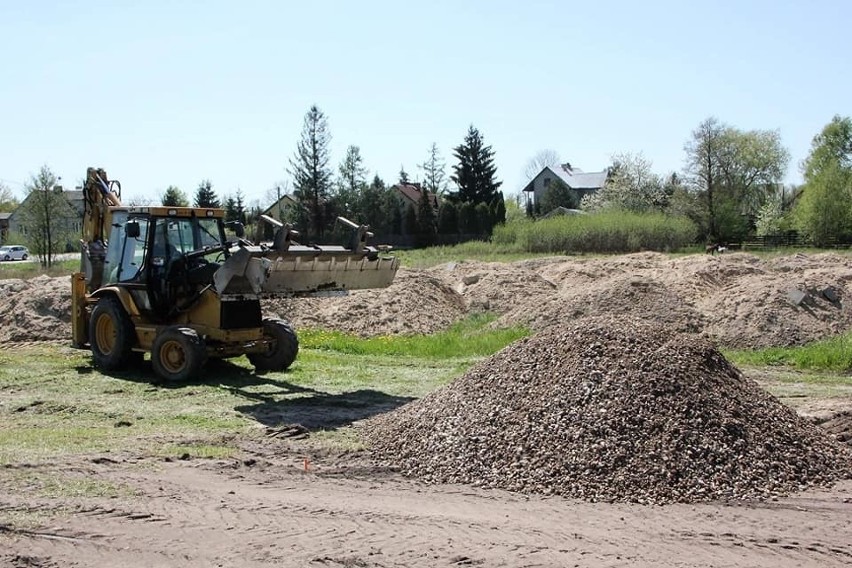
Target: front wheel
{"x":7,"y":257}
{"x":178,"y":354}
{"x":24,"y":257}
{"x":282,"y":348}
{"x":111,"y":335}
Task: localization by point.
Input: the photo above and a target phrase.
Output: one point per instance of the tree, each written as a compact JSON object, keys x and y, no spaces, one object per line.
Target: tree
{"x":8,"y":202}
{"x":631,"y":185}
{"x":467,"y":218}
{"x":448,"y":218}
{"x":434,"y":172}
{"x":541,"y":160}
{"x":47,"y":218}
{"x":371,"y":207}
{"x":403,"y":176}
{"x":734,"y":172}
{"x":311,"y":173}
{"x":475,"y":172}
{"x":351,"y":182}
{"x":174,"y":197}
{"x":559,"y":195}
{"x":205,"y":196}
{"x":823,"y":211}
{"x":426,"y":219}
{"x":235,"y":207}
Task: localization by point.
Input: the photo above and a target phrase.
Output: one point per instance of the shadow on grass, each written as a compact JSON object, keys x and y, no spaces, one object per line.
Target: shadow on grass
{"x":280,"y":402}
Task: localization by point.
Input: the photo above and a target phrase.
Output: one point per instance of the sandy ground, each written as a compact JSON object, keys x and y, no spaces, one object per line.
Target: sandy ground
{"x":263,"y":508}
{"x":270,"y":512}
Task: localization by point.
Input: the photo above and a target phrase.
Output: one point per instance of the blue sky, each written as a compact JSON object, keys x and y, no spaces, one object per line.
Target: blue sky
{"x":171,"y":92}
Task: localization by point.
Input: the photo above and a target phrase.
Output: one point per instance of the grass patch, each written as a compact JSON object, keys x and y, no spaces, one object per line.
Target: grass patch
{"x":54,"y":404}
{"x":482,"y":251}
{"x":26,"y":270}
{"x":833,"y":354}
{"x":468,"y":338}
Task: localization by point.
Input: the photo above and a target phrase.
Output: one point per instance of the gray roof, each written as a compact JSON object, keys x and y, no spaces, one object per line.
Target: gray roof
{"x":574,"y":178}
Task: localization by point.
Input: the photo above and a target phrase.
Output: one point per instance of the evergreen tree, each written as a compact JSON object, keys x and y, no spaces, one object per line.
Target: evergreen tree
{"x":311,"y":173}
{"x":403,"y":176}
{"x":426,"y":219}
{"x":240,"y":207}
{"x":434,"y":174}
{"x":410,"y":221}
{"x":483,"y":218}
{"x":467,"y":218}
{"x":475,"y":172}
{"x":352,"y":181}
{"x":205,"y":196}
{"x":448,"y":218}
{"x":174,"y":197}
{"x":371,"y":206}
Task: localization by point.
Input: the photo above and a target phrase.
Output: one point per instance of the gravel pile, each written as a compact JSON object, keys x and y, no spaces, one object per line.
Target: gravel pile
{"x":611,"y":410}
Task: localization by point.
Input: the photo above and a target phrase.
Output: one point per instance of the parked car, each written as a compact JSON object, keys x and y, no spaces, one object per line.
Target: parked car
{"x":14,"y":252}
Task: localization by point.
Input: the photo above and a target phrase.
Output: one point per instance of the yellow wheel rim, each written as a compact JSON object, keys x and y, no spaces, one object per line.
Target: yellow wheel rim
{"x":172,"y":356}
{"x":105,"y":334}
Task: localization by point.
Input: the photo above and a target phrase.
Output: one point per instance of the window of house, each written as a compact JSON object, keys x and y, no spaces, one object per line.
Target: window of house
{"x":546,"y":182}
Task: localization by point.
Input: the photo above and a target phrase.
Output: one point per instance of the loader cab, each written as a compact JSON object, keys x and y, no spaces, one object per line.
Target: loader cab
{"x":163,"y":258}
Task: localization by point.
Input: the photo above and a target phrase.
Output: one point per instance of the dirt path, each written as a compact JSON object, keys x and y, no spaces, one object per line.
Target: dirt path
{"x":267,"y":511}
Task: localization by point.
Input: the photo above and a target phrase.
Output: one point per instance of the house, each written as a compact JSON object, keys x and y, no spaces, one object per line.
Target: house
{"x":279,"y":209}
{"x":70,"y":217}
{"x":4,"y":226}
{"x":410,"y":194}
{"x":576,"y":179}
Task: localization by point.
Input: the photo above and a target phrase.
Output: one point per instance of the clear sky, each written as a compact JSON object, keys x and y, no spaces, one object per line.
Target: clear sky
{"x":173,"y":92}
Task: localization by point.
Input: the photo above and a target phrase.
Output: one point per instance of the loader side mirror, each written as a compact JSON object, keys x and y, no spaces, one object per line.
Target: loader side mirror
{"x":131,"y":229}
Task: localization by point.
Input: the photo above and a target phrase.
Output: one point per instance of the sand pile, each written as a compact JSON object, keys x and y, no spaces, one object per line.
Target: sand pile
{"x":37,"y":309}
{"x":614,"y":410}
{"x":416,"y":303}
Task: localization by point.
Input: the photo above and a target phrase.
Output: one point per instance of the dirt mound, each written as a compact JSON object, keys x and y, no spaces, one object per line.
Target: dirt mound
{"x":615,"y":410}
{"x":839,"y":425}
{"x":37,"y":309}
{"x":416,"y":302}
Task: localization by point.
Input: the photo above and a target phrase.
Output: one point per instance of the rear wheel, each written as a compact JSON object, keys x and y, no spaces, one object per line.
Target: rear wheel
{"x":282,"y":349}
{"x":178,"y":354}
{"x":111,"y":335}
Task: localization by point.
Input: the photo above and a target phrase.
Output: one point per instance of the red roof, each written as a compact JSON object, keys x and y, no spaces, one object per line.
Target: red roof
{"x":412,"y":192}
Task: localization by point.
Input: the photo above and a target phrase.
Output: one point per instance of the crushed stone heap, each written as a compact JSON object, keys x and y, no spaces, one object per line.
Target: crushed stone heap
{"x":609,"y":410}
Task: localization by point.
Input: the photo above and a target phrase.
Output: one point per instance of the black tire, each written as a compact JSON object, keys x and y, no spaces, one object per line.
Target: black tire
{"x":178,"y":354}
{"x":111,"y":335}
{"x":283,"y":347}
{"x":7,"y":257}
{"x":24,"y":257}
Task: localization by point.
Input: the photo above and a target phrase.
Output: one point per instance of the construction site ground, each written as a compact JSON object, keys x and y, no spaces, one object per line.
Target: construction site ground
{"x":287,"y":494}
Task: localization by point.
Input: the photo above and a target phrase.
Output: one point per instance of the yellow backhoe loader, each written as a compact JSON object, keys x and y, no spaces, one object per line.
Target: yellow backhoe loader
{"x":168,"y":281}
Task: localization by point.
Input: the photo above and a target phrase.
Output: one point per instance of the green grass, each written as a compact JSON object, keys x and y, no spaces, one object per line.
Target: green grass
{"x":25,"y":270}
{"x":54,"y":404}
{"x":833,"y":354}
{"x":473,"y":250}
{"x":468,"y":338}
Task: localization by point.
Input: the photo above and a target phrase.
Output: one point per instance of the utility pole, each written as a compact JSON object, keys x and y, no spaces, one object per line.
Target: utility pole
{"x":278,"y":189}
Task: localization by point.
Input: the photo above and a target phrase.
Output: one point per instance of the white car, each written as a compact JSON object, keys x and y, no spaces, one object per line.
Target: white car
{"x":14,"y":252}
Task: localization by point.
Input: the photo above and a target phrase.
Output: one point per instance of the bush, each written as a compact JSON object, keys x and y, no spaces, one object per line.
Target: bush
{"x":606,"y":232}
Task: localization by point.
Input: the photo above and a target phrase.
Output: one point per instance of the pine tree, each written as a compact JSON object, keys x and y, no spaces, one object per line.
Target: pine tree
{"x":434,"y":174}
{"x":311,"y":173}
{"x":475,"y":172}
{"x":426,"y":219}
{"x":205,"y":196}
{"x":448,"y":218}
{"x":403,"y":176}
{"x":351,"y":182}
{"x":174,"y":197}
